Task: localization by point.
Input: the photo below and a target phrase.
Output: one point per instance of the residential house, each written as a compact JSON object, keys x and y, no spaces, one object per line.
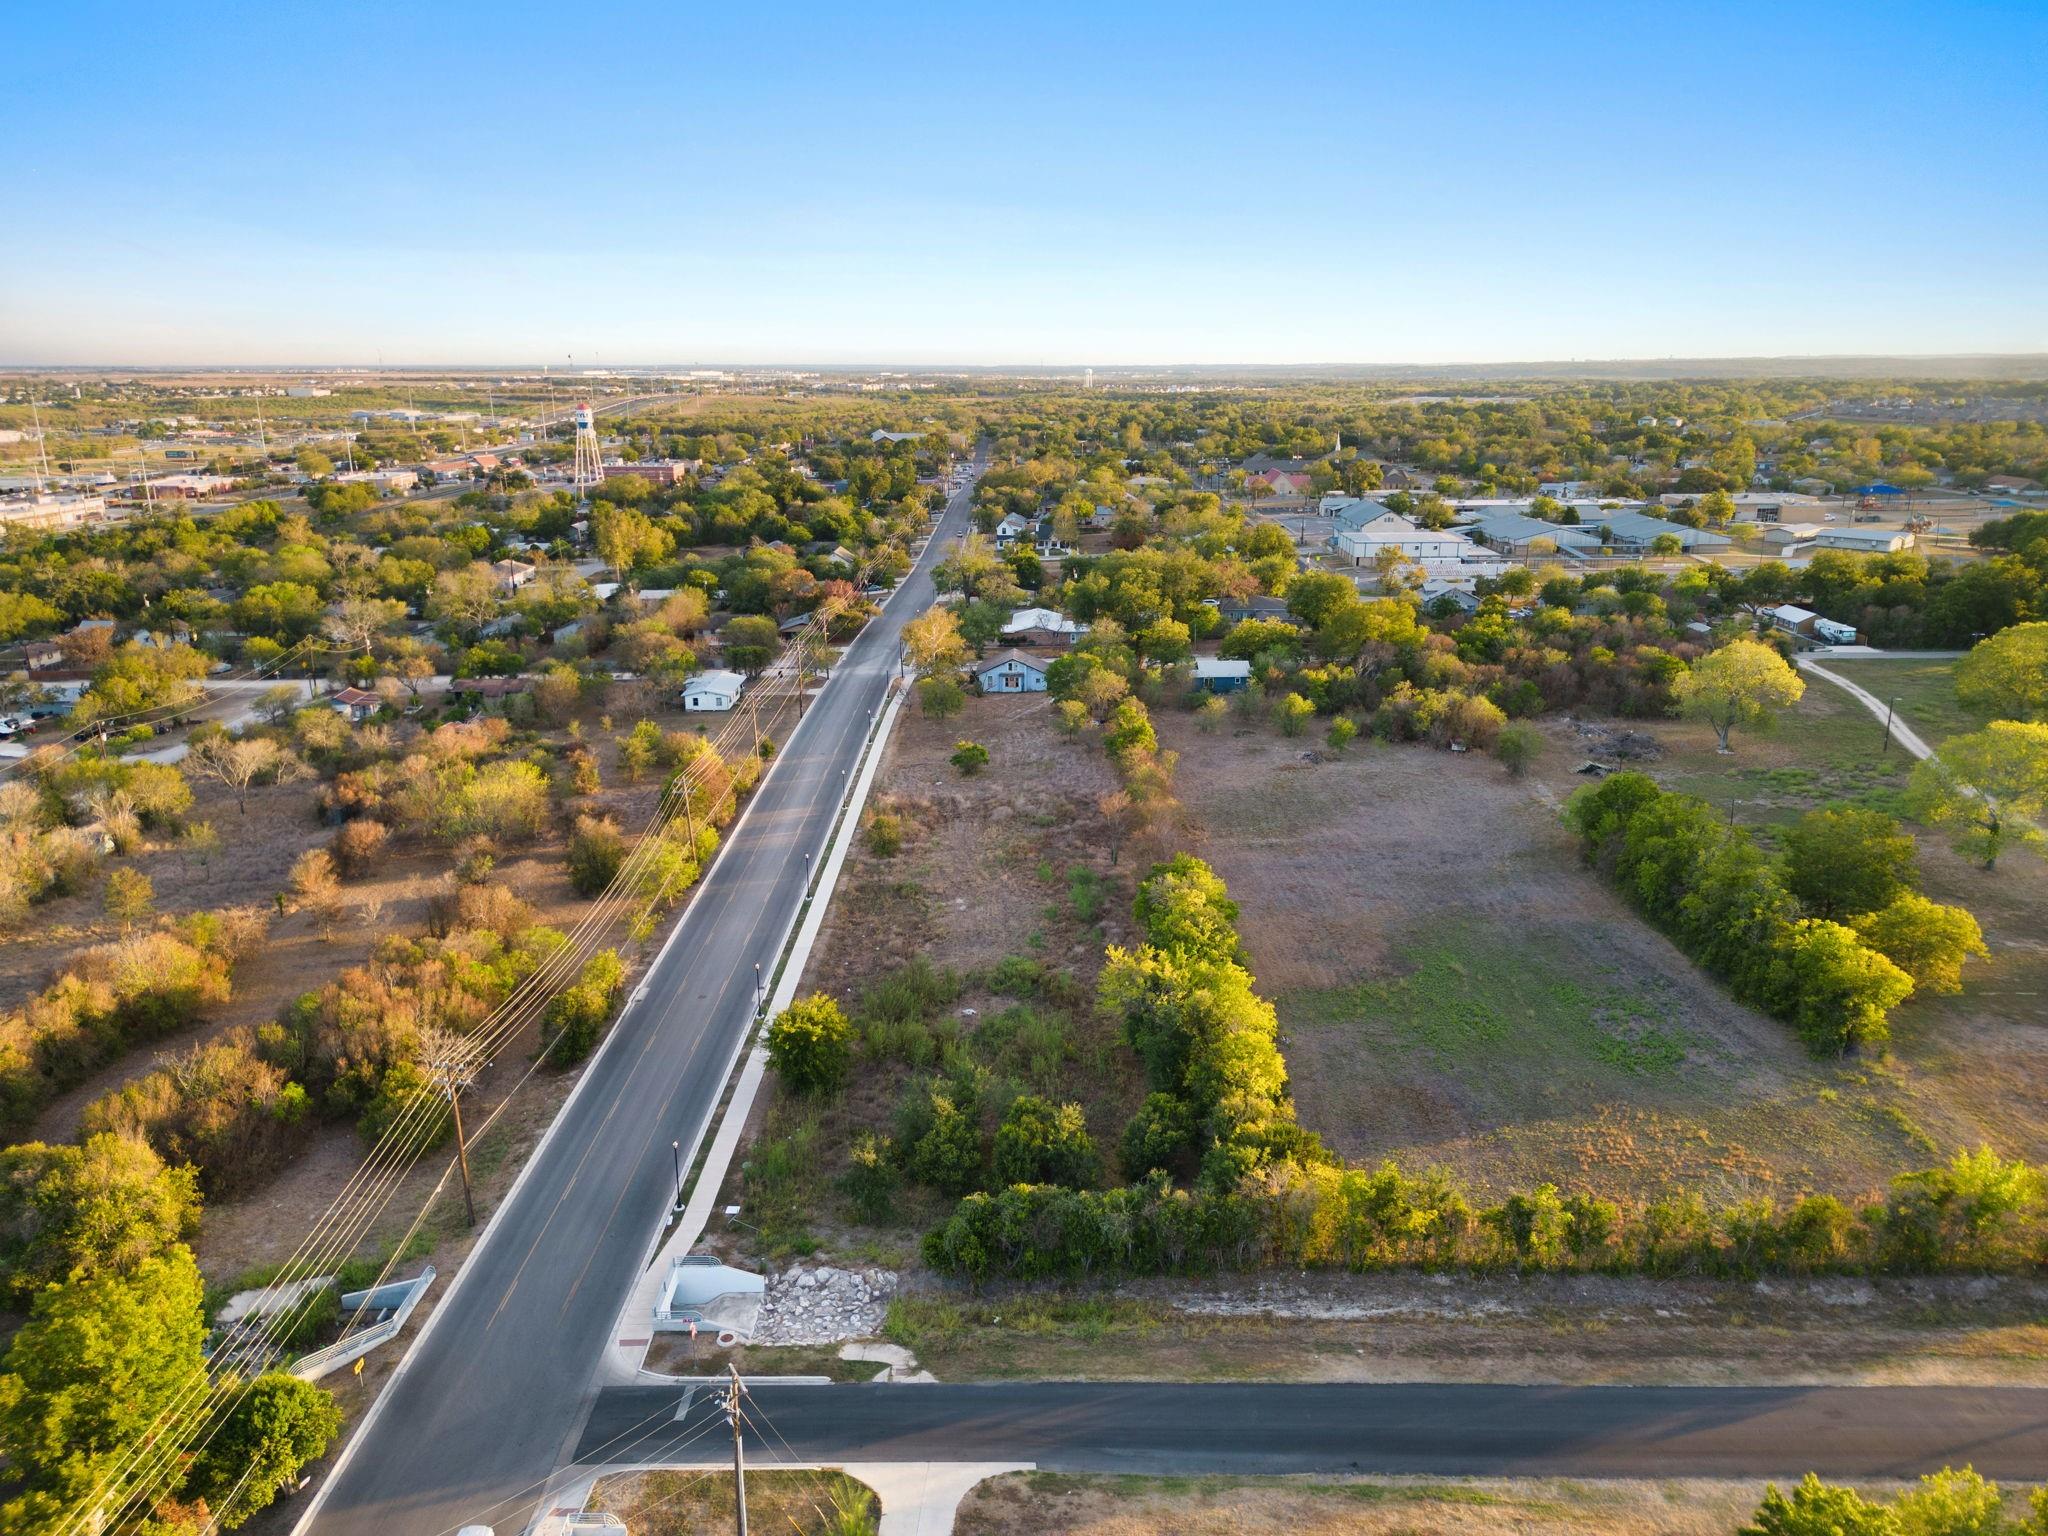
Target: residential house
{"x":511,"y":574}
{"x":1271,"y":610}
{"x":1215,"y":675}
{"x":1042,"y":626}
{"x":43,"y":654}
{"x":1010,"y":672}
{"x":355,"y":704}
{"x":712,"y":690}
{"x":2012,"y":485}
{"x":1014,"y":526}
{"x":1786,"y":537}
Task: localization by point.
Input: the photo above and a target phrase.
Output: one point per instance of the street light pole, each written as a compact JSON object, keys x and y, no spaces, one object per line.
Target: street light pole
{"x":675,"y":1152}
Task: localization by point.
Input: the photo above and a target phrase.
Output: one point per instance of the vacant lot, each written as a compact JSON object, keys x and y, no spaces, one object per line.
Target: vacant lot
{"x":1013,"y":864}
{"x":1456,"y":988}
{"x":1060,"y":1504}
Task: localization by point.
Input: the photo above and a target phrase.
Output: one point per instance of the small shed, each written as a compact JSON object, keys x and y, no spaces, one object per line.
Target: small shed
{"x":1213,"y":674}
{"x":716,"y":690}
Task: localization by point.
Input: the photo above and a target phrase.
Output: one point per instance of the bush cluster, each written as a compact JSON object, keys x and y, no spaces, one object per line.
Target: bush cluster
{"x":1977,"y":1213}
{"x":1735,"y":911}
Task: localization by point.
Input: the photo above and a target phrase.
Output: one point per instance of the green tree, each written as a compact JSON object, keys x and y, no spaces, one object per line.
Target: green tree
{"x":1988,"y":788}
{"x":100,"y":1208}
{"x":2007,"y":673}
{"x":1343,"y":730}
{"x":1040,"y":1142}
{"x":969,"y":757}
{"x":1161,"y":1135}
{"x":1953,"y":1503}
{"x":810,"y":1044}
{"x":1925,"y":939}
{"x":932,"y":642}
{"x":274,"y":1426}
{"x":1816,"y":1508}
{"x":750,"y":642}
{"x":1833,"y":988}
{"x":1841,"y":862}
{"x":1314,"y":595}
{"x":1183,"y":905}
{"x":87,"y":1377}
{"x":1743,"y":683}
{"x":130,"y":897}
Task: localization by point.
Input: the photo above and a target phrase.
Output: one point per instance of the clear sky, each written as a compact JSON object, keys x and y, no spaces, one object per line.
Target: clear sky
{"x":1043,"y":182}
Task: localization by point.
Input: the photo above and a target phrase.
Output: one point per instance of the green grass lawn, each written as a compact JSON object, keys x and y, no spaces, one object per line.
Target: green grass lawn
{"x":1925,"y":691}
{"x":1479,"y":999}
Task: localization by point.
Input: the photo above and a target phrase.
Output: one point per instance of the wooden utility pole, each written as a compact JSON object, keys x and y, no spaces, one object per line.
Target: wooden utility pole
{"x":733,"y":1394}
{"x":451,"y":1067}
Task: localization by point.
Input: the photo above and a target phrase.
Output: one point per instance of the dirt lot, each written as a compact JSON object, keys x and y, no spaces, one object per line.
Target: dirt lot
{"x":1059,"y":1504}
{"x":1013,"y":862}
{"x":1455,"y":988}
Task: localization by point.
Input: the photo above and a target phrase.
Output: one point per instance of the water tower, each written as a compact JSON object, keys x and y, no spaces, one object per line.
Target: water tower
{"x":588,"y":471}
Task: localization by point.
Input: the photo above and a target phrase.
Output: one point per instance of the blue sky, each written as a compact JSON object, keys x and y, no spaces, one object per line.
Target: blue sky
{"x":1024,"y":183}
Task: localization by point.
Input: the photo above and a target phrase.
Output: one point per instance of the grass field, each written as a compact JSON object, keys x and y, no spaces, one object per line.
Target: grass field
{"x":1925,"y":690}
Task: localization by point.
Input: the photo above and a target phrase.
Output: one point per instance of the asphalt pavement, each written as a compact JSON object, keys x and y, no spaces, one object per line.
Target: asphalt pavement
{"x":487,"y":1403}
{"x":1441,"y":1430}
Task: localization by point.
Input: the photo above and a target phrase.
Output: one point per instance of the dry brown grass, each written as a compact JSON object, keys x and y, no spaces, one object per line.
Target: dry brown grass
{"x":1056,"y":1504}
{"x":1437,"y":950}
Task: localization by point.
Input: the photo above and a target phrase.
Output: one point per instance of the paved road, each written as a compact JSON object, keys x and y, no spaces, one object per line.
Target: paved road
{"x":1444,"y":1430}
{"x":495,"y":1387}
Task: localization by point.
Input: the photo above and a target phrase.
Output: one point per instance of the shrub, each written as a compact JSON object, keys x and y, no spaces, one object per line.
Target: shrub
{"x":576,"y":1016}
{"x":398,"y":1090}
{"x":313,"y":882}
{"x":107,"y":1204}
{"x":940,"y":697}
{"x":970,"y":757}
{"x":810,"y":1044}
{"x":884,"y":832}
{"x":357,"y":845}
{"x":947,"y":1156}
{"x":218,"y":1106}
{"x":1834,"y":989}
{"x":1343,"y":730}
{"x":1040,"y":1142}
{"x":1517,"y":746}
{"x":869,"y":1182}
{"x":1294,"y":713}
{"x":1071,"y":715}
{"x":596,"y":850}
{"x":1161,"y":1135}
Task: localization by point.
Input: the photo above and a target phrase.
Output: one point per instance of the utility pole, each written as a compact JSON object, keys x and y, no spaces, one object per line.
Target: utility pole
{"x":1889,"y":706}
{"x":450,"y":1068}
{"x":733,"y":1394}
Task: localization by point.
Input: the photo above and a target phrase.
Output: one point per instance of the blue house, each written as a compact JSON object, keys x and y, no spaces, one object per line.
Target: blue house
{"x":1010,"y":672}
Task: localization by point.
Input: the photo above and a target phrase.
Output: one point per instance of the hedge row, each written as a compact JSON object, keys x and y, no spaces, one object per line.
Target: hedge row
{"x":1977,"y":1213}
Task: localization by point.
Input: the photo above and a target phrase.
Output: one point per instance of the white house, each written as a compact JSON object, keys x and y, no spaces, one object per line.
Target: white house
{"x":716,"y":689}
{"x":511,"y":574}
{"x":1010,"y":672}
{"x":1013,"y":527}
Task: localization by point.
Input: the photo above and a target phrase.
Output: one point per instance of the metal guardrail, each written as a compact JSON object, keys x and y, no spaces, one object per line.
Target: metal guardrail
{"x":401,"y":1296}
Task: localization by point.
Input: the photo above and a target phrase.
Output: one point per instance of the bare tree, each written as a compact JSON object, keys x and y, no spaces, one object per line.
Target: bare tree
{"x":239,"y":765}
